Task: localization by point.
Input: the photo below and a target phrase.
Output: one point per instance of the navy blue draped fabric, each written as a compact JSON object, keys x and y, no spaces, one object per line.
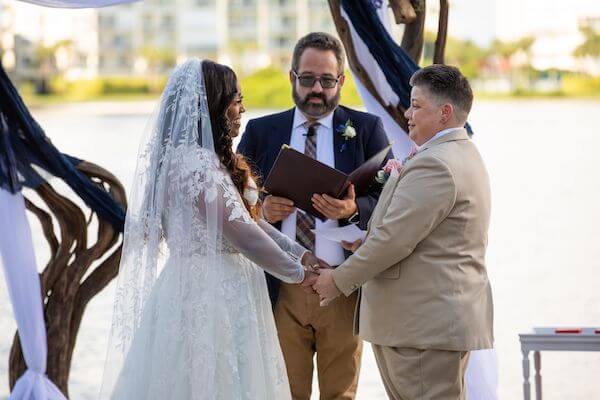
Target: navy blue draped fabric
{"x":396,"y":65}
{"x":23,"y":145}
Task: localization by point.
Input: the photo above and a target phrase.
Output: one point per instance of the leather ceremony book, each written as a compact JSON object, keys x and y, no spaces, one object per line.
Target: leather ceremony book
{"x":297,"y":177}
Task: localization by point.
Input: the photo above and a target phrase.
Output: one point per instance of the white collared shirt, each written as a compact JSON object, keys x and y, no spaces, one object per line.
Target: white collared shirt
{"x":330,"y":251}
{"x":438,"y":135}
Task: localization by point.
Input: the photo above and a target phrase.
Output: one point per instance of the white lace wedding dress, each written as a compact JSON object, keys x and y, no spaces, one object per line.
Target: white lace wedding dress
{"x":194,"y":320}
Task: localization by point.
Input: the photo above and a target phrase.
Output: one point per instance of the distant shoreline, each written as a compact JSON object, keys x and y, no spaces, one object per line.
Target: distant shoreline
{"x":147,"y":102}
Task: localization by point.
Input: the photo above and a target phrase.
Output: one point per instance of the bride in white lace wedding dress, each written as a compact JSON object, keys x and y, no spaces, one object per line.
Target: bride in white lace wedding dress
{"x":192,"y":317}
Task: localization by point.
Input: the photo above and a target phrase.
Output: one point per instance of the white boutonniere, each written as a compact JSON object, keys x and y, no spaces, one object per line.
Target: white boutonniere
{"x":348,"y":132}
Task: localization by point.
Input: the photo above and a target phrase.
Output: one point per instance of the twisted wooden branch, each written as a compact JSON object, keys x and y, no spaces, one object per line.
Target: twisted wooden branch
{"x":414,"y":32}
{"x":404,"y":12}
{"x":64,"y":291}
{"x":440,"y":41}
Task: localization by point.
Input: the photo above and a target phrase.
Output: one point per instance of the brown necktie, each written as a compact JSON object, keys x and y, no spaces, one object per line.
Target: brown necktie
{"x":306,"y":222}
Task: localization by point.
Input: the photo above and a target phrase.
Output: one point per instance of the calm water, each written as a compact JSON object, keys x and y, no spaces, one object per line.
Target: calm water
{"x":544,"y":249}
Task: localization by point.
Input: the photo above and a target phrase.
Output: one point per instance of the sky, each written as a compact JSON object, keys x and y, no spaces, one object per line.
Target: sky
{"x":482,"y":20}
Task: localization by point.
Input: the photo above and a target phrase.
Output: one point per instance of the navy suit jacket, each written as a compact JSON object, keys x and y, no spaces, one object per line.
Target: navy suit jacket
{"x":264,"y":136}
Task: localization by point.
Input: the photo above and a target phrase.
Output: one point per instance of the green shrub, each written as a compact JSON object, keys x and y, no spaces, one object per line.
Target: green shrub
{"x":125,"y":85}
{"x":270,"y":88}
{"x":581,"y":85}
{"x":84,"y":89}
{"x":350,"y":96}
{"x":58,"y":85}
{"x":267,"y":88}
{"x":89,"y":89}
{"x":27,"y":89}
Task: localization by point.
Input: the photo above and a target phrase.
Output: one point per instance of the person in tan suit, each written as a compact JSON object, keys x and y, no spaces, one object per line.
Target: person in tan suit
{"x":425,"y":298}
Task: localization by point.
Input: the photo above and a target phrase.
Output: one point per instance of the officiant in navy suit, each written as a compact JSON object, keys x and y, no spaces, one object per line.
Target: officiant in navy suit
{"x":342,"y":138}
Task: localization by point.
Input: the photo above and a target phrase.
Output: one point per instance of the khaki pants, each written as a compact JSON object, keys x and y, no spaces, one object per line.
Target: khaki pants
{"x":304,"y":328}
{"x":413,"y":374}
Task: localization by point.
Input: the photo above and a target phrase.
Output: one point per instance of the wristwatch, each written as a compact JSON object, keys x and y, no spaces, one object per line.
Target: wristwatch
{"x":354,"y":218}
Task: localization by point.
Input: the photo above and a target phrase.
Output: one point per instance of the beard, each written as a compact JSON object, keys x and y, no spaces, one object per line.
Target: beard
{"x":316,"y":110}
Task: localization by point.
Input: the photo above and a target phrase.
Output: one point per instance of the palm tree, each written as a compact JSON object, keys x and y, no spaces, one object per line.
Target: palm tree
{"x":45,"y":60}
{"x":590,"y":46}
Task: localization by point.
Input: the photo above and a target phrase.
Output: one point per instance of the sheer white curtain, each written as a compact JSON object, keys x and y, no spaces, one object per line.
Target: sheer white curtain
{"x":22,"y":279}
{"x":78,"y":3}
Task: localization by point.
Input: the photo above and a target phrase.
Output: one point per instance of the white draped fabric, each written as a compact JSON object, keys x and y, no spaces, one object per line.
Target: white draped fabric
{"x":482,"y":371}
{"x":18,"y":260}
{"x":78,"y":3}
{"x":22,"y":279}
{"x":396,"y":135}
{"x":482,"y":375}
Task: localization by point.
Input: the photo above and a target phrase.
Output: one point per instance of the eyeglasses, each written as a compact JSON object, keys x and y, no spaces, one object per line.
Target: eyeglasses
{"x":308,"y":81}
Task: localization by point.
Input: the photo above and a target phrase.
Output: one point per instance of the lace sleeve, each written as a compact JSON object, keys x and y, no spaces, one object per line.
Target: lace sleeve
{"x":285,"y":243}
{"x":242,"y":232}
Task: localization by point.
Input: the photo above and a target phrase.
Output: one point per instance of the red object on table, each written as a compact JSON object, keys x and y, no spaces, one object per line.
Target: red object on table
{"x":597,"y":331}
{"x":569,"y":330}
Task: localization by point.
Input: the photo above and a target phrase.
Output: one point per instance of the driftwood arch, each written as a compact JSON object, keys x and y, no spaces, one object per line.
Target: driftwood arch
{"x":411,"y":13}
{"x":75,"y":273}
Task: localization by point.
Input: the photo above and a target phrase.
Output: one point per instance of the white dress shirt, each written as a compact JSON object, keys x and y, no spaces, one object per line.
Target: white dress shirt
{"x":438,"y":135}
{"x":330,"y":251}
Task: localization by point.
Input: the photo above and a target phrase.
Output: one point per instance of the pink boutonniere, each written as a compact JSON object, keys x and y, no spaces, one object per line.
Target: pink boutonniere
{"x":394,"y":167}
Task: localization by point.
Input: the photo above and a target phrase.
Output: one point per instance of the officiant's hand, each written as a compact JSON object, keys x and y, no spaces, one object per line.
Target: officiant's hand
{"x":277,"y":209}
{"x":326,"y":287}
{"x":352,"y":246}
{"x":333,"y":208}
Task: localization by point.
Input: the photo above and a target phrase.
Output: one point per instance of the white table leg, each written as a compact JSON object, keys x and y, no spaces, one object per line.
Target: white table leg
{"x":526,"y":385}
{"x":537,"y":363}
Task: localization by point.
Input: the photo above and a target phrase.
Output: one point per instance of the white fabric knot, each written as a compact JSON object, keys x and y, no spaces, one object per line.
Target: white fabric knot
{"x":35,"y":385}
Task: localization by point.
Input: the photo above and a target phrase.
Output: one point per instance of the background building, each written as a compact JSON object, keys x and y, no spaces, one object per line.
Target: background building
{"x":150,"y":36}
{"x":247,"y":34}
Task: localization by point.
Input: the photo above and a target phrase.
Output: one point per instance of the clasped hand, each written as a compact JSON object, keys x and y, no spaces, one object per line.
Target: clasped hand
{"x":321,"y":280}
{"x":318,"y":279}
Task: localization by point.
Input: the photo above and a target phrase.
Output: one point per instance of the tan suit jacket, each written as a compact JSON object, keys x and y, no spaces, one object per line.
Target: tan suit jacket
{"x":421,"y":269}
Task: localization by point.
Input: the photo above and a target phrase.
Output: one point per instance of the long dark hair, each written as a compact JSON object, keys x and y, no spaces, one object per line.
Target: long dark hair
{"x":221,"y":89}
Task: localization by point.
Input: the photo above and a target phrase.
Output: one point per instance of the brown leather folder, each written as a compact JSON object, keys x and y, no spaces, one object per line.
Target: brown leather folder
{"x":297,"y":177}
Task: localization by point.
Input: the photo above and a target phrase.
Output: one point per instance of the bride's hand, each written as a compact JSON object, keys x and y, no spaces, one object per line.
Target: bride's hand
{"x":310,"y":278}
{"x":311,"y":261}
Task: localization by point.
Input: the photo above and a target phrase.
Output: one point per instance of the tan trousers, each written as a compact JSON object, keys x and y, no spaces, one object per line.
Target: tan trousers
{"x":304,"y":328}
{"x":413,"y":374}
